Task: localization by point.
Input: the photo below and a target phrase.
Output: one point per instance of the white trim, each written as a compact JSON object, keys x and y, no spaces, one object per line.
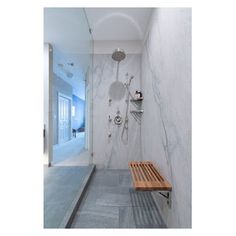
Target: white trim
{"x":48,"y":121}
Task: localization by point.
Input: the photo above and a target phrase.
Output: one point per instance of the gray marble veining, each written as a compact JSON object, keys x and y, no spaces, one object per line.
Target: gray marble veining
{"x":114,"y":152}
{"x":163,"y":133}
{"x":166,"y":122}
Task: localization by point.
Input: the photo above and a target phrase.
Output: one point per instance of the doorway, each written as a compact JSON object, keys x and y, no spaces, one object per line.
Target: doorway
{"x":64,"y":118}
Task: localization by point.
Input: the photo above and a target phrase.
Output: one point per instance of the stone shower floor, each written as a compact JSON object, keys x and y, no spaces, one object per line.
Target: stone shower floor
{"x":111,"y":202}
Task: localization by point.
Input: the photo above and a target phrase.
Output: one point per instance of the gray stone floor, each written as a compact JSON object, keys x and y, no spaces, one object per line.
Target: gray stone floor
{"x":111,"y":202}
{"x":62,"y":189}
{"x":70,"y":153}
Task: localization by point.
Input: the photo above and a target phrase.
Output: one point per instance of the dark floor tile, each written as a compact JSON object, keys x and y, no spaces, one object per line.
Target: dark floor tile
{"x":97,"y":217}
{"x":117,"y":204}
{"x":125,"y":179}
{"x":113,"y":199}
{"x":126,"y":217}
{"x":109,"y":178}
{"x":62,"y":186}
{"x":145,"y":210}
{"x":53,"y":214}
{"x":106,"y":196}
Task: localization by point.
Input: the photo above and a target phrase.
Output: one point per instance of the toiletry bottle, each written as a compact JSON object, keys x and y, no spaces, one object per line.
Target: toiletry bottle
{"x":136,"y":95}
{"x":140,"y":94}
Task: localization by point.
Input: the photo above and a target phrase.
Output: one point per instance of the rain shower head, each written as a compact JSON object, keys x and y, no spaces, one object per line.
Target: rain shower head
{"x":118,"y":55}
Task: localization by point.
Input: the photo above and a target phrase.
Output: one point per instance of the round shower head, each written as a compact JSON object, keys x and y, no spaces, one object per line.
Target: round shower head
{"x":118,"y":55}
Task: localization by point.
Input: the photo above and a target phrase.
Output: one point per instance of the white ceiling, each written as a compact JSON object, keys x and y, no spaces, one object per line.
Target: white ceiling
{"x":118,"y":23}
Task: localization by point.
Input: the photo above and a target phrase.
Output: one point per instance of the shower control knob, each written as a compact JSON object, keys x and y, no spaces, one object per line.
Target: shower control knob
{"x":118,"y":120}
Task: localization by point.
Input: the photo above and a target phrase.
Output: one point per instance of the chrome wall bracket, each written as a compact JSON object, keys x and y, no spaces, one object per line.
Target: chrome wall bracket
{"x":167,"y":195}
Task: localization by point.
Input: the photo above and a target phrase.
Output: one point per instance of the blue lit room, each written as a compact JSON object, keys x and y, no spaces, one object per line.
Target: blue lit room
{"x":117,"y":118}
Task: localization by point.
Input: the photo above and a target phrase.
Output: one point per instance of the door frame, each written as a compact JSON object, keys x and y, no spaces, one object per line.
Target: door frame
{"x":59,"y":94}
{"x":48,"y":107}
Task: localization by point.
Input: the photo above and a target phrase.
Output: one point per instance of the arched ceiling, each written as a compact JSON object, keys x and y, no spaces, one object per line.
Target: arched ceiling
{"x":118,"y":23}
{"x":66,"y":29}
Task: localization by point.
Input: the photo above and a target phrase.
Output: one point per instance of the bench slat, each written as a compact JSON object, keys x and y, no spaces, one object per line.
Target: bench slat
{"x":156,"y":173}
{"x":150,"y":171}
{"x":146,"y":177}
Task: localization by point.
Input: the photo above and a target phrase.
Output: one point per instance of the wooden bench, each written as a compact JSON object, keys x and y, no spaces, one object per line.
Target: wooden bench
{"x":147,"y":178}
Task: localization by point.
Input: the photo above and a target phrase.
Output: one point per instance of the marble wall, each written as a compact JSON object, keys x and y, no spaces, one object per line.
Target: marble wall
{"x":166,"y":122}
{"x":114,"y":152}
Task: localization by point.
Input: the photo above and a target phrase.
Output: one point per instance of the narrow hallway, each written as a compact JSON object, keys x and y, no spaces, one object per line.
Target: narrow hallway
{"x":70,"y":153}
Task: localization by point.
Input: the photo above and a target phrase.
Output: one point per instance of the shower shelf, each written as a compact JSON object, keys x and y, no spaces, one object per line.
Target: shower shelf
{"x":137,"y":111}
{"x":137,"y":99}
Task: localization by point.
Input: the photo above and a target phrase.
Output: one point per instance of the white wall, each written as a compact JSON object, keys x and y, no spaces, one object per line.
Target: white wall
{"x":164,"y":136}
{"x":114,"y":152}
{"x":166,"y":123}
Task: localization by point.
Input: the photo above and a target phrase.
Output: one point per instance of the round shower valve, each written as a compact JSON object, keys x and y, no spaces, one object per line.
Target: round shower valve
{"x":118,"y":120}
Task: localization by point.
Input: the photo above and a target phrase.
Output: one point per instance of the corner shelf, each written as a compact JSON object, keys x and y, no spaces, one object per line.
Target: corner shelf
{"x":137,"y":111}
{"x":137,"y":99}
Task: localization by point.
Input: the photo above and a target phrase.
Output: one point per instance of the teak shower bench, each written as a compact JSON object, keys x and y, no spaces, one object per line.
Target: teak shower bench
{"x":147,"y":178}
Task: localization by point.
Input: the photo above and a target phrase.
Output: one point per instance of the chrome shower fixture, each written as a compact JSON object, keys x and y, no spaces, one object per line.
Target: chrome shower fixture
{"x":118,"y":55}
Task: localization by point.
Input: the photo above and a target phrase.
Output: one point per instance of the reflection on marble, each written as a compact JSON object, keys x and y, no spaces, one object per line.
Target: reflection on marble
{"x":145,"y":210}
{"x":166,"y":122}
{"x":124,"y":145}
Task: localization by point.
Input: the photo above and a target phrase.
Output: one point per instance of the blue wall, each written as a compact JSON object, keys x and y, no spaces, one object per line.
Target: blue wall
{"x":78,"y":120}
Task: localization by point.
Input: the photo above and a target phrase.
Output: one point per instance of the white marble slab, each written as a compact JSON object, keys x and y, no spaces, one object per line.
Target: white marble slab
{"x":114,"y":152}
{"x":166,"y":123}
{"x":164,"y":135}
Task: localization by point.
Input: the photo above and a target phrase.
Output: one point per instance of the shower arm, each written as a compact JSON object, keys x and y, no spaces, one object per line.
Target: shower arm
{"x":117,"y":71}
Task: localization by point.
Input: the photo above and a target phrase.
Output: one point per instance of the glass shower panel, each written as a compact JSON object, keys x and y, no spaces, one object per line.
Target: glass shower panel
{"x":67,"y":31}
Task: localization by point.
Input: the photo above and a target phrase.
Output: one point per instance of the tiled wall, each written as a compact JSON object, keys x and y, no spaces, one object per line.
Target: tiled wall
{"x":114,"y":152}
{"x":166,"y":122}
